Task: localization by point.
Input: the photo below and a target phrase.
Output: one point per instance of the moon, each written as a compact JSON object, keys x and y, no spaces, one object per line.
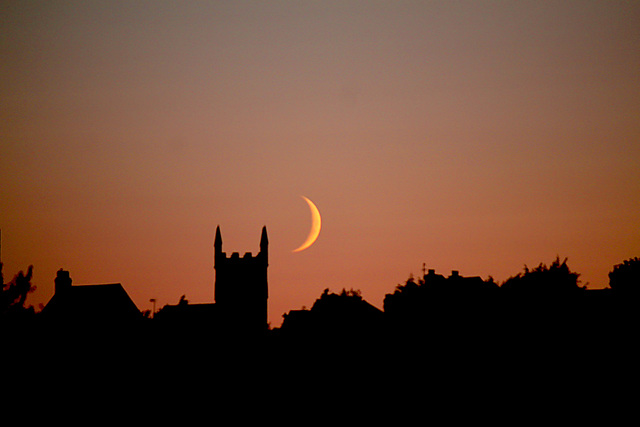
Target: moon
{"x":315,"y":226}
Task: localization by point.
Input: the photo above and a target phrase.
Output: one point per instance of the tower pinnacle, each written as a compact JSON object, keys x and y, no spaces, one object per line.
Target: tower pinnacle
{"x":217,"y":244}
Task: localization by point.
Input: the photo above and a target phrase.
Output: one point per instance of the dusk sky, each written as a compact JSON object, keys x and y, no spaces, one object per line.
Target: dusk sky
{"x":476,"y":136}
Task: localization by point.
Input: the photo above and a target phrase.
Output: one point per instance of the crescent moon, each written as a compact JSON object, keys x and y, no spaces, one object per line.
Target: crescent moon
{"x":315,"y":226}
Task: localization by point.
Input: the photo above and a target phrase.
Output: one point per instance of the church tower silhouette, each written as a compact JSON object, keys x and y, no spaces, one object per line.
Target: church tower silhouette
{"x":241,"y":288}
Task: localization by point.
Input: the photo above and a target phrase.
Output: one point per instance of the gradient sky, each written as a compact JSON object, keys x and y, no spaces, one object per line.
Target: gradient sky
{"x":471,"y":135}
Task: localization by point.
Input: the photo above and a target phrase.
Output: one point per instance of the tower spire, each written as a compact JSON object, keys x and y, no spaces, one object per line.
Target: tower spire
{"x":264,"y":240}
{"x":264,"y":245}
{"x":217,"y":244}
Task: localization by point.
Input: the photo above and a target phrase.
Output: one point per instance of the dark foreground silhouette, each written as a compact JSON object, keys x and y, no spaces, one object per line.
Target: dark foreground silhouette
{"x":544,"y":306}
{"x":460,"y":341}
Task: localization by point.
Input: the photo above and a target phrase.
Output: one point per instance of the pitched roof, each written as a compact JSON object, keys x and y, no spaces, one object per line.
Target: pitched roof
{"x":92,"y":302}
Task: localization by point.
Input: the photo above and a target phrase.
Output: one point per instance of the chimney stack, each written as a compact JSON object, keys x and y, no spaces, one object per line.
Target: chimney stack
{"x":62,"y":282}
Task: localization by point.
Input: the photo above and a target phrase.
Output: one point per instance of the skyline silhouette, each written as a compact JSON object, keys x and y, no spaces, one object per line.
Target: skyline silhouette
{"x":463,"y":340}
{"x":541,"y":297}
{"x":235,"y":259}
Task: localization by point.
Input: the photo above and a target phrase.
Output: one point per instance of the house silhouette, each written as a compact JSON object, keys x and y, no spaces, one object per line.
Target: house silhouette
{"x":105,"y":304}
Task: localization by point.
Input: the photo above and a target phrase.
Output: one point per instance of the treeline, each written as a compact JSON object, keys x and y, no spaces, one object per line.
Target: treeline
{"x":542,"y":304}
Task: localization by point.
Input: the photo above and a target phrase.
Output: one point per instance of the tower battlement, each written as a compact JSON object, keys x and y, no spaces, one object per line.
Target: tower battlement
{"x":241,"y":288}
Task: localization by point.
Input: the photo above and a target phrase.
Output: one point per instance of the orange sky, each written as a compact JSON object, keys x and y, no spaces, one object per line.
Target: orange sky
{"x":474,"y":135}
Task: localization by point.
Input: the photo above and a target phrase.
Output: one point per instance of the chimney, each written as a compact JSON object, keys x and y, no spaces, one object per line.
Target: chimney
{"x":62,"y":281}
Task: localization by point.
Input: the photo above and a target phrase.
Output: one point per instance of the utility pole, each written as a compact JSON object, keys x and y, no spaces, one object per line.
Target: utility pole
{"x":153,"y":313}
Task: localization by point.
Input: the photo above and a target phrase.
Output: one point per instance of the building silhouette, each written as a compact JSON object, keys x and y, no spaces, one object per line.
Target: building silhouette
{"x":83,"y":305}
{"x":240,"y":295}
{"x":239,"y":308}
{"x":241,"y":289}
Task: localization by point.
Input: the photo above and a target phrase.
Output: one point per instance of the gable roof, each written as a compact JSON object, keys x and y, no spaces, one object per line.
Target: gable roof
{"x":109,"y":302}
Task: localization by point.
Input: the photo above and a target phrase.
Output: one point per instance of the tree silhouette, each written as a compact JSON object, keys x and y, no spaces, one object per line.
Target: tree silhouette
{"x":544,"y":304}
{"x":14,"y":294}
{"x":625,"y":277}
{"x":407,"y":300}
{"x":555,"y":279}
{"x":434,"y":294}
{"x":343,"y":316}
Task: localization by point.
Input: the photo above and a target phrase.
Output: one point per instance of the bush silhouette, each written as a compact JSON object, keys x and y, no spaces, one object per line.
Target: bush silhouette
{"x":556,"y":279}
{"x":625,"y":277}
{"x":14,"y":294}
